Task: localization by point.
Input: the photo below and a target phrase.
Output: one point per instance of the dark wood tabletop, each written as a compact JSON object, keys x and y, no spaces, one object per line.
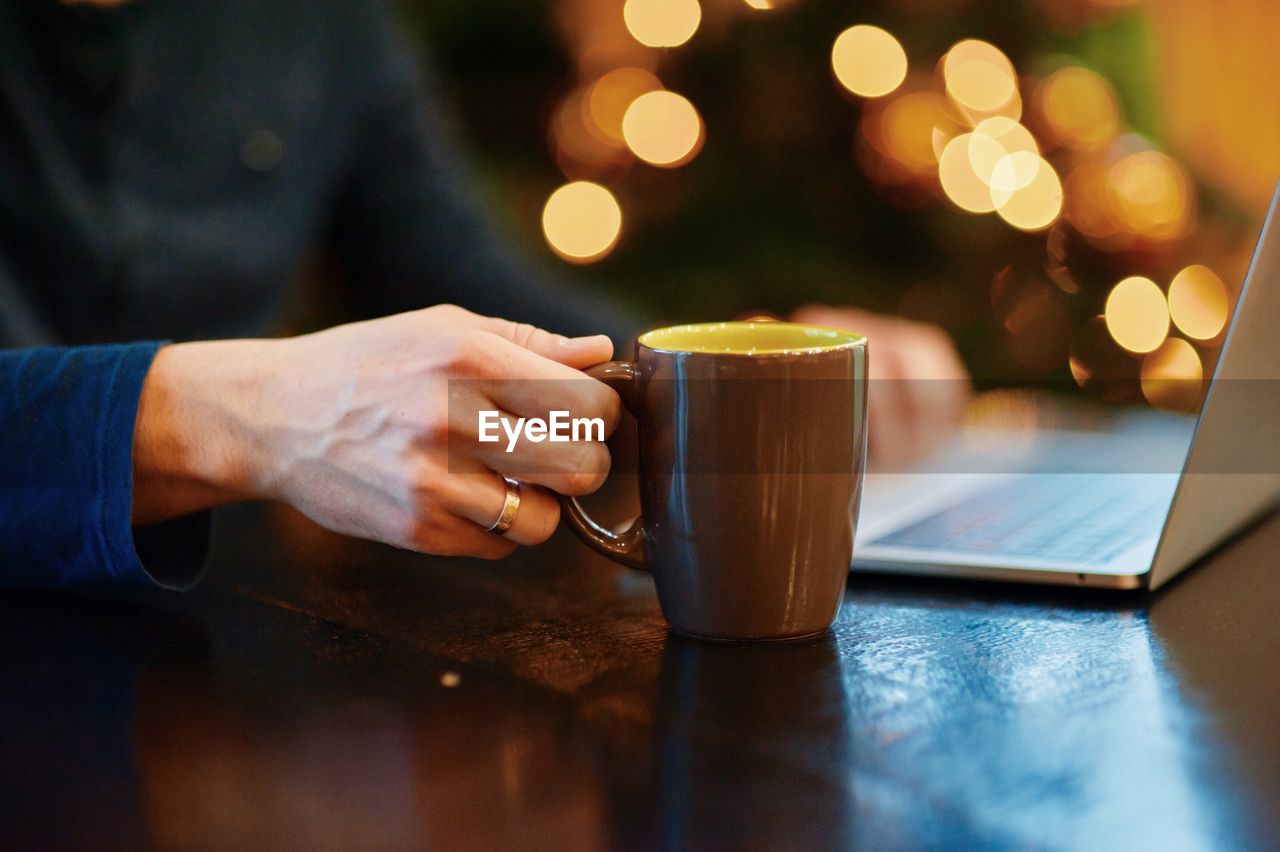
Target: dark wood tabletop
{"x":316,"y":692}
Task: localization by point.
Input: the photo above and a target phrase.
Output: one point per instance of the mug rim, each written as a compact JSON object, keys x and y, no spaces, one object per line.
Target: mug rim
{"x":854,"y":339}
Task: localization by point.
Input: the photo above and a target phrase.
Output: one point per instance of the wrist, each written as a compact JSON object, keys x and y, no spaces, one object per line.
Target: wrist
{"x":194,"y":442}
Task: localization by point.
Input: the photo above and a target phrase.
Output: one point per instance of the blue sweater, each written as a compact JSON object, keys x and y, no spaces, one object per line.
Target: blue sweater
{"x":66,"y":475}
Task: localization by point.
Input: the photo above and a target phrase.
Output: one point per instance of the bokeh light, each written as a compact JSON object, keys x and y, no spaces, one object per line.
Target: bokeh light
{"x":979,"y":77}
{"x":1150,"y":194}
{"x":662,"y":128}
{"x":1137,"y":314}
{"x":1198,"y":302}
{"x":1088,"y":204}
{"x":938,"y":140}
{"x":959,"y":181}
{"x":662,"y":23}
{"x":1013,"y":172}
{"x":580,"y":150}
{"x":608,"y":98}
{"x":903,"y":130}
{"x":868,"y":61}
{"x":1078,"y":108}
{"x":1026,"y":191}
{"x":1172,"y":376}
{"x":994,"y":139}
{"x":581,"y":221}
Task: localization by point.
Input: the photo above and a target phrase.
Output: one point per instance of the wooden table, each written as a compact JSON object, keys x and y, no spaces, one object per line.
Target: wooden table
{"x":317,"y":692}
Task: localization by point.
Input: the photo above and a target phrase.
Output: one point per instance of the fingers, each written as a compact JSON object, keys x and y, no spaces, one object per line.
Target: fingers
{"x":444,"y":534}
{"x":529,"y":371}
{"x":575,"y":466}
{"x":574,"y":394}
{"x":917,"y":396}
{"x":941,"y":387}
{"x":576,"y":352}
{"x":511,"y":386}
{"x":577,"y":394}
{"x":480,"y":498}
{"x":529,"y":385}
{"x":850,"y":319}
{"x":451,"y":513}
{"x":891,"y":413}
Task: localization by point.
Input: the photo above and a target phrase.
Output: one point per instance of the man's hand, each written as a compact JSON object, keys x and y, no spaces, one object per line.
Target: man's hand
{"x":919,"y":387}
{"x":354,"y":426}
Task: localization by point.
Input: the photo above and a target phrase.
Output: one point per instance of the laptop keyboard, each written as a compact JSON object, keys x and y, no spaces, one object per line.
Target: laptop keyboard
{"x":1055,"y":516}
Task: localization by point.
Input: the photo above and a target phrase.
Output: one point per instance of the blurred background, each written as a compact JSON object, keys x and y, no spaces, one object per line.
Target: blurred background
{"x":1072,"y":188}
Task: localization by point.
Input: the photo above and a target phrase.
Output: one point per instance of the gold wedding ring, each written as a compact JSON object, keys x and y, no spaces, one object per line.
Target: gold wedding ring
{"x":510,"y":506}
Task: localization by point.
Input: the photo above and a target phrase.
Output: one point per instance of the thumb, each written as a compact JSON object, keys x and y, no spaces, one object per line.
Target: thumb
{"x":576,"y":352}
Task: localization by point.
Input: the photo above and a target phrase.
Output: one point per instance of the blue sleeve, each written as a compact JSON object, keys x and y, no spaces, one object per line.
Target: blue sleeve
{"x":66,"y":475}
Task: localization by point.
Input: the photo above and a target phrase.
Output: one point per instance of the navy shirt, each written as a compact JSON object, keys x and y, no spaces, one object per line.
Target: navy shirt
{"x":167,"y":167}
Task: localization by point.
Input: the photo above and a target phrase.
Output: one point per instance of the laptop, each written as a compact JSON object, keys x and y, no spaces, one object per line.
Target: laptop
{"x":1129,"y":506}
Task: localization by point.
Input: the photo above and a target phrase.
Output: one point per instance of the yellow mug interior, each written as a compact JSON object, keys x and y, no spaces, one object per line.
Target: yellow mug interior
{"x":749,"y":338}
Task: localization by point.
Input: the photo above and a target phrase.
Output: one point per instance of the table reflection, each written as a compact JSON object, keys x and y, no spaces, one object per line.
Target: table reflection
{"x":278,"y":732}
{"x":67,"y":675}
{"x":329,"y":758}
{"x":935,"y":714}
{"x":750,"y":746}
{"x":1020,"y":715}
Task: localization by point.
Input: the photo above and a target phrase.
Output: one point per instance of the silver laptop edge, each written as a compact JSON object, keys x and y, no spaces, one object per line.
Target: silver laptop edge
{"x":1213,"y":497}
{"x":1209,"y":505}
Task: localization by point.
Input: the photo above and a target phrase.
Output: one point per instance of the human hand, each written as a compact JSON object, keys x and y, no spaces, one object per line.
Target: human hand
{"x":357,"y":427}
{"x":919,"y":386}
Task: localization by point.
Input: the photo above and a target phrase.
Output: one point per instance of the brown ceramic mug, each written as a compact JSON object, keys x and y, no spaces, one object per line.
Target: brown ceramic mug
{"x":752,"y":443}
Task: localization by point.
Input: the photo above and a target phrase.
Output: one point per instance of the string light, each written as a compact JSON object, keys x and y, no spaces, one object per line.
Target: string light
{"x":580,"y":149}
{"x":1150,"y":194}
{"x":608,"y":98}
{"x":1198,"y":302}
{"x":1137,"y":315}
{"x":662,"y":23}
{"x":994,"y":139}
{"x":903,"y":130}
{"x":1117,"y":193}
{"x":979,"y":77}
{"x":1078,"y":108}
{"x":868,"y":61}
{"x":1026,"y":191}
{"x":581,"y":221}
{"x":662,"y":128}
{"x":1088,"y":206}
{"x":959,"y":181}
{"x":1172,"y":376}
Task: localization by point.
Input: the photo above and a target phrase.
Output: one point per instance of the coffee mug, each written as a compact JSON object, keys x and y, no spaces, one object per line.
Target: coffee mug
{"x":752,"y":444}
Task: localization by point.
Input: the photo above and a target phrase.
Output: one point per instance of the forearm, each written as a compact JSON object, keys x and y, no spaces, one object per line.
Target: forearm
{"x":194,"y":445}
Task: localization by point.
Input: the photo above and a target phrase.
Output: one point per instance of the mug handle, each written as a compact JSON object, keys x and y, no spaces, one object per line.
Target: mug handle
{"x":627,"y":546}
